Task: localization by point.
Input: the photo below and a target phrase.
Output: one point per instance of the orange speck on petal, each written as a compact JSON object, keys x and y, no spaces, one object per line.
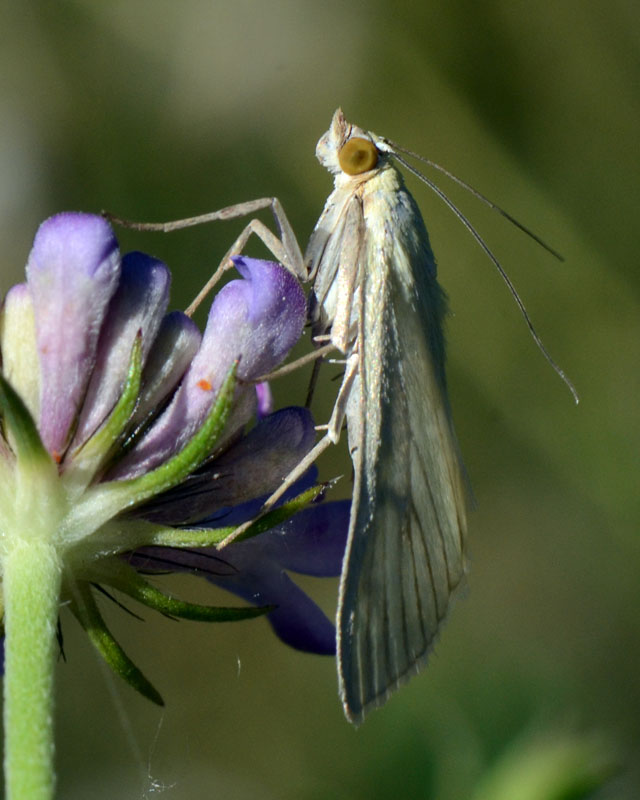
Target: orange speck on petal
{"x":56,"y":456}
{"x":205,"y":385}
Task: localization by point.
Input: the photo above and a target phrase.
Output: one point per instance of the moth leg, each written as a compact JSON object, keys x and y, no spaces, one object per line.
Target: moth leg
{"x":334,"y":426}
{"x":332,"y":435}
{"x":316,"y":356}
{"x":284,"y":247}
{"x":290,"y":260}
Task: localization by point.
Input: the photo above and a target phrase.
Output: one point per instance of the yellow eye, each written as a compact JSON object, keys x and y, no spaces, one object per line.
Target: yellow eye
{"x":357,"y":156}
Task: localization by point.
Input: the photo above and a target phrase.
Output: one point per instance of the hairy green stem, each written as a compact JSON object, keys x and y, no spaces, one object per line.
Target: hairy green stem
{"x":31,"y":585}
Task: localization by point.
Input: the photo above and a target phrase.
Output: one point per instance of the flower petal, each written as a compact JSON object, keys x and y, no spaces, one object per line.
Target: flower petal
{"x":276,"y":313}
{"x":252,"y":467}
{"x":243,"y":512}
{"x":18,"y":347}
{"x":297,"y":620}
{"x":138,"y":304}
{"x":258,"y":462}
{"x":312,"y":542}
{"x":72,"y":272}
{"x":175,"y":346}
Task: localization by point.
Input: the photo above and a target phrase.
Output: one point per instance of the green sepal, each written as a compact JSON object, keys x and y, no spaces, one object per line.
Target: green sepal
{"x":211,"y":537}
{"x":21,"y":427}
{"x":127,"y":580}
{"x":86,"y":611}
{"x":152,"y":597}
{"x":88,"y":458}
{"x":280,"y":514}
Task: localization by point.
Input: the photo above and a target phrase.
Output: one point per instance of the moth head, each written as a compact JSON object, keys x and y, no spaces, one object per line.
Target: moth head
{"x":346,"y":148}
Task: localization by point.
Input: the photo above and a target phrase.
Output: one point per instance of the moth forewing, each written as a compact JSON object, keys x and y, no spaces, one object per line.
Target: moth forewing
{"x":405,"y":551}
{"x":336,"y":251}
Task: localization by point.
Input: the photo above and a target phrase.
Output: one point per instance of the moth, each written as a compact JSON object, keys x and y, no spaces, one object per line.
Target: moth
{"x":375,"y":298}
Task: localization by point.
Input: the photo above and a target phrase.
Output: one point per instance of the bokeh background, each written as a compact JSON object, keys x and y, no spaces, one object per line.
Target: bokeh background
{"x":156,"y":110}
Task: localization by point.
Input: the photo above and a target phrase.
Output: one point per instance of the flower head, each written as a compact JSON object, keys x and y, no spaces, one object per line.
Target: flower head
{"x":123,"y":424}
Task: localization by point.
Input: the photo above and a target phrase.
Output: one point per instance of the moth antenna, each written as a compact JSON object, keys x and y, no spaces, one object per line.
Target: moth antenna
{"x":451,"y":205}
{"x":475,"y":193}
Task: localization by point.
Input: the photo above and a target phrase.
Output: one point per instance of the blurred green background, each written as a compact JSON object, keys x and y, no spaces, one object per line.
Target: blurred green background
{"x":158,"y":110}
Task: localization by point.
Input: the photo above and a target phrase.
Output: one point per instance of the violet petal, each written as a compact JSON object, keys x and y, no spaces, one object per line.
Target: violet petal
{"x":297,"y":620}
{"x":276,"y":313}
{"x":312,"y":542}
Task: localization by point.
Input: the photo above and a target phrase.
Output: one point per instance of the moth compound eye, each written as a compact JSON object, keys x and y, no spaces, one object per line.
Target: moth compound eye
{"x":357,"y":156}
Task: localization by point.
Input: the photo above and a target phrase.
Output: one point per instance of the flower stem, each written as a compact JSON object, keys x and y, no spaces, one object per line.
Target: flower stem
{"x":31,"y":585}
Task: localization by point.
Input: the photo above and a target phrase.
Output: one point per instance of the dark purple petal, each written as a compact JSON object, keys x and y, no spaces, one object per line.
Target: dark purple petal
{"x":252,"y":467}
{"x":72,"y":273}
{"x":297,"y":620}
{"x":242,"y":512}
{"x":312,"y":542}
{"x":138,"y":305}
{"x":255,"y":320}
{"x":267,"y":454}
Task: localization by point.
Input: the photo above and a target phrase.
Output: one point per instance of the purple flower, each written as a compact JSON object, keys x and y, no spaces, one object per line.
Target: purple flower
{"x":132,"y":425}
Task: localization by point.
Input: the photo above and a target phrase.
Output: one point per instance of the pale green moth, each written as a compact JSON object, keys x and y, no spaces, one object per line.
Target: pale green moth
{"x":376,"y":295}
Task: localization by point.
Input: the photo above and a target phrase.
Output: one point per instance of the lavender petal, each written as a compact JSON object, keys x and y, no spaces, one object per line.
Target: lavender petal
{"x":138,"y":304}
{"x":173,"y":350}
{"x":72,"y":272}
